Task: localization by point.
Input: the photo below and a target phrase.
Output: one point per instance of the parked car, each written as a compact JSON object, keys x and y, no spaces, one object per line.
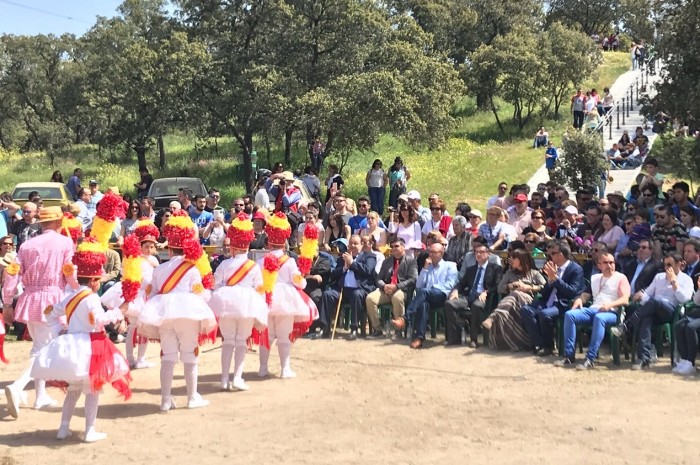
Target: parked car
{"x":53,"y":194}
{"x":165,"y":190}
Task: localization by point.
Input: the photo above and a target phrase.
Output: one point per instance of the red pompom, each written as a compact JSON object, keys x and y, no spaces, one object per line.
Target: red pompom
{"x":130,"y":290}
{"x":131,"y":246}
{"x":311,"y":232}
{"x":304,"y":264}
{"x":271,"y":263}
{"x":180,"y":212}
{"x":110,"y":207}
{"x":148,"y":229}
{"x":192,"y":249}
{"x":208,"y":281}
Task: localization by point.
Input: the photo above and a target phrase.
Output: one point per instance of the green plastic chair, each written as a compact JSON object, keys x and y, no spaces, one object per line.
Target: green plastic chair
{"x":659,"y":331}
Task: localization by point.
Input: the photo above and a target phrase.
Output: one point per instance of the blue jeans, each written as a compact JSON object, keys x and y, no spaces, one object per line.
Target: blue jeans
{"x":538,"y":321}
{"x":598,"y":319}
{"x":376,"y":197}
{"x":419,"y":309}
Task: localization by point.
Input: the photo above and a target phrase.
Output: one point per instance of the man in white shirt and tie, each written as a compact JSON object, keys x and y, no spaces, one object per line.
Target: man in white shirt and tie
{"x":436,"y":280}
{"x":668,"y":289}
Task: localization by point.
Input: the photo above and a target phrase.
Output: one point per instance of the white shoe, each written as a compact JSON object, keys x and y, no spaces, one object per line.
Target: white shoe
{"x":94,"y":436}
{"x":226,"y":384}
{"x":141,"y":364}
{"x":686,"y":370}
{"x":288,"y":373}
{"x":680,"y":364}
{"x":197,"y":401}
{"x":263,"y":373}
{"x":63,"y":432}
{"x":13,"y":397}
{"x":45,"y":401}
{"x":239,"y":385}
{"x":167,"y":404}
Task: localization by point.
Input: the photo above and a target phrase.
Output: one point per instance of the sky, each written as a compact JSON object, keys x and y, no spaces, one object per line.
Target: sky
{"x":30,"y":17}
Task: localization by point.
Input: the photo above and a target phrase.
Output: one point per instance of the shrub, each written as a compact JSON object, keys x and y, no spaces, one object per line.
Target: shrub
{"x":581,"y":164}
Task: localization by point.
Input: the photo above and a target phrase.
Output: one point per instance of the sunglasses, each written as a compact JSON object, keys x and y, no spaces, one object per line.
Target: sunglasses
{"x":9,"y":244}
{"x":537,"y":218}
{"x":644,"y":247}
{"x":26,"y":212}
{"x":648,"y":195}
{"x":434,"y":209}
{"x":240,"y":205}
{"x":529,"y":242}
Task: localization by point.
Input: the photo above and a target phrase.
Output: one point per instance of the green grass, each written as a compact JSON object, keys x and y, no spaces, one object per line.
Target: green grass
{"x":468,"y":166}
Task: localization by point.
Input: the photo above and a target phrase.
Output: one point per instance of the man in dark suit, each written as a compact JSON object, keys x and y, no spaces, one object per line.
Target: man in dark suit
{"x":396,"y":280}
{"x":691,"y":256}
{"x":641,"y":272}
{"x":470,"y":295}
{"x":316,"y":282}
{"x":354,"y":274}
{"x":591,"y":266}
{"x":565,"y":282}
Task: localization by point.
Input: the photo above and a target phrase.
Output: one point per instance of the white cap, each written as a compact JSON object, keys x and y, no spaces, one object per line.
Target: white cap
{"x":413,"y":195}
{"x":476,"y":213}
{"x":571,"y":210}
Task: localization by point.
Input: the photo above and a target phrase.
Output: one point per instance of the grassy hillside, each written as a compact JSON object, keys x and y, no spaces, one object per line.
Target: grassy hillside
{"x":468,"y":167}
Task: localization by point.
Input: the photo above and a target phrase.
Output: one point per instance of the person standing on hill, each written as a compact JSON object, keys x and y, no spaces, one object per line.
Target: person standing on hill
{"x":578,"y":102}
{"x":73,"y":185}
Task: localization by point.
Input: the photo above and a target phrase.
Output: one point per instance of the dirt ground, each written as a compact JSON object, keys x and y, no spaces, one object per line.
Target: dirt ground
{"x":367,"y":402}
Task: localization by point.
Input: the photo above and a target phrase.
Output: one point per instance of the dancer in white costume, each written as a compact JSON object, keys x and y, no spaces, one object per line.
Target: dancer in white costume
{"x":147,"y":234}
{"x":83,"y":359}
{"x":176,"y":313}
{"x":291,"y":311}
{"x":237,"y":303}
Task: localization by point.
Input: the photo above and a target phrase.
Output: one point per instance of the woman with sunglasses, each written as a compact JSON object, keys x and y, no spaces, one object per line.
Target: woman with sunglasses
{"x":439,"y":221}
{"x":519,"y":285}
{"x":376,"y":181}
{"x":132,"y":216}
{"x":538,"y":227}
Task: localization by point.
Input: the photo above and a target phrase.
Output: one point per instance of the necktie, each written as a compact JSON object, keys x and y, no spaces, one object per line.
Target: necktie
{"x":553,"y":295}
{"x":395,"y":273}
{"x":689,"y":270}
{"x":474,"y":292}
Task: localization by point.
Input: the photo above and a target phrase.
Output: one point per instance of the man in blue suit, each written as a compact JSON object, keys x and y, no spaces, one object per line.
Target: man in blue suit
{"x":565,"y":283}
{"x":355,"y":275}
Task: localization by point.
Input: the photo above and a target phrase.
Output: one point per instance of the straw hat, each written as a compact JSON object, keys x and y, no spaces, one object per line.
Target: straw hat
{"x":50,"y":214}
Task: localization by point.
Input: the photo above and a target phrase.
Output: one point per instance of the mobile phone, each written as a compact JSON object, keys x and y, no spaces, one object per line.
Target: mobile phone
{"x":217,"y":214}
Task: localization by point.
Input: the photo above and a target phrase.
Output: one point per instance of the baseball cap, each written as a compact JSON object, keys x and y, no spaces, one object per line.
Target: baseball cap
{"x":413,"y":195}
{"x":93,"y":181}
{"x":403,"y":197}
{"x":341,"y":244}
{"x":616,"y":194}
{"x":571,"y":210}
{"x":476,"y":213}
{"x":520,"y":198}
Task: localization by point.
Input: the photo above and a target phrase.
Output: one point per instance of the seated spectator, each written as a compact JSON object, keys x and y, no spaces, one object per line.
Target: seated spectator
{"x":438,"y":220}
{"x":336,"y":229}
{"x":312,"y":182}
{"x":641,"y":229}
{"x":374,"y":229}
{"x":681,"y":194}
{"x":463,"y":209}
{"x":687,"y":337}
{"x":353,"y":275}
{"x":609,"y":291}
{"x":359,"y":221}
{"x":508,"y":229}
{"x":470,"y":258}
{"x":537,"y":226}
{"x":436,"y":280}
{"x":493,"y":230}
{"x":537,"y":200}
{"x":499,"y":200}
{"x":564,"y":283}
{"x":541,"y":138}
{"x":215,"y":232}
{"x":658,"y":302}
{"x":592,"y":228}
{"x":316,"y":282}
{"x":259,"y":222}
{"x":532,"y":243}
{"x":689,"y":220}
{"x":404,"y":224}
{"x":371,"y":243}
{"x":424,"y":214}
{"x":27,"y":227}
{"x":653,"y":177}
{"x":590,"y":266}
{"x":475,"y":220}
{"x":334,"y":182}
{"x":624,"y":139}
{"x":395,"y":280}
{"x":262,"y":197}
{"x":623,"y":251}
{"x":129,"y":223}
{"x":434,"y":237}
{"x":612,"y":233}
{"x":668,"y":235}
{"x":641,"y":141}
{"x":613,"y":156}
{"x":470,"y":295}
{"x":519,"y":285}
{"x":338,"y":204}
{"x":520,"y":216}
{"x":459,"y":244}
{"x":112,"y":269}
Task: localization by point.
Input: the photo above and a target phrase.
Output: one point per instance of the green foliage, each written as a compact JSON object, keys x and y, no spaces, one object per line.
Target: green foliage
{"x":591,"y":16}
{"x":679,"y":155}
{"x":580,"y":164}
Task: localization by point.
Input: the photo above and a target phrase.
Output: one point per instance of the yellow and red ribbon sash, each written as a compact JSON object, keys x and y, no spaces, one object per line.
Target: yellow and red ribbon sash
{"x":283,"y":260}
{"x":74,"y":302}
{"x":240,"y":273}
{"x":175,"y":277}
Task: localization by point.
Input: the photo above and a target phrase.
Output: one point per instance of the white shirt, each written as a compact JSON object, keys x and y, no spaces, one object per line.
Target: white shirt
{"x":262,"y":199}
{"x":85,"y":215}
{"x":661,"y":289}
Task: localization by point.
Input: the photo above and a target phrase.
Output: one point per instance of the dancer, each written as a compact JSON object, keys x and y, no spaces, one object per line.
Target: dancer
{"x":291,"y":311}
{"x":237,"y":303}
{"x":176,"y":312}
{"x":137,"y":273}
{"x":44,"y":268}
{"x":83,"y":359}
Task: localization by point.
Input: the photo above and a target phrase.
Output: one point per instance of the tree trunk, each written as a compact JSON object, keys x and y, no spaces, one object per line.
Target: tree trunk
{"x":495,"y":113}
{"x":140,"y":150}
{"x":247,"y":161}
{"x":482,"y":100}
{"x":161,"y":152}
{"x":3,"y":144}
{"x":268,"y":151}
{"x":310,"y":139}
{"x":288,"y":146}
{"x":79,"y":134}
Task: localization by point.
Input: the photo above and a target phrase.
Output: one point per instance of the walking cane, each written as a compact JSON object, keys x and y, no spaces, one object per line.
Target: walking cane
{"x":337,"y":314}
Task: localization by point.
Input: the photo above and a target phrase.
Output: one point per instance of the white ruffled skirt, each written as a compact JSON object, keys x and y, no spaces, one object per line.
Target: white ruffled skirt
{"x":174,"y":306}
{"x":239,"y":302}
